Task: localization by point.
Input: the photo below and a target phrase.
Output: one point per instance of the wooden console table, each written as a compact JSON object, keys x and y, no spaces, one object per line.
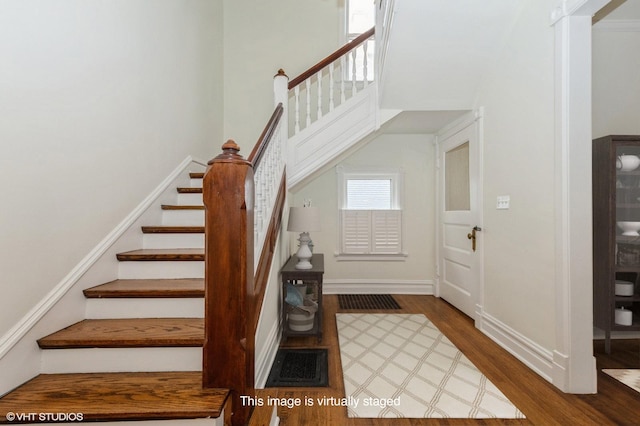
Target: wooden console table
{"x":301,"y":277}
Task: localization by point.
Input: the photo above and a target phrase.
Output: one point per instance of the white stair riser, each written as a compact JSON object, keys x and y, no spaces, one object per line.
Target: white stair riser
{"x":167,"y":241}
{"x":114,"y":360}
{"x":161,"y":269}
{"x":105,"y":308}
{"x":190,"y":199}
{"x":183,"y":217}
{"x":195,"y":183}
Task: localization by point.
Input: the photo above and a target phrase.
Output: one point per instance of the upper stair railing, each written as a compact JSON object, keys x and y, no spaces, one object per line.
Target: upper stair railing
{"x":243,"y":201}
{"x":331,"y":82}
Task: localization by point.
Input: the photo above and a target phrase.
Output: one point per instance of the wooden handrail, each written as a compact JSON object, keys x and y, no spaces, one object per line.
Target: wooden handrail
{"x":263,"y":141}
{"x":331,"y":58}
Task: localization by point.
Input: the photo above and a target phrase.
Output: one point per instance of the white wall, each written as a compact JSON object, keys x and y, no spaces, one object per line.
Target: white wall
{"x":518,"y":97}
{"x":616,"y":78}
{"x":415,"y":155}
{"x":261,"y":37}
{"x":99,"y":102}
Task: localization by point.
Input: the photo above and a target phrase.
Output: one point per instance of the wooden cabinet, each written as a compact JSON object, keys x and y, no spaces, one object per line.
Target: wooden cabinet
{"x":307,"y":278}
{"x":616,"y":241}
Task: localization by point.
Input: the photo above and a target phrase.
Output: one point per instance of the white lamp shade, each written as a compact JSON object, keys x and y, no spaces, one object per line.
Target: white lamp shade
{"x":304,"y":219}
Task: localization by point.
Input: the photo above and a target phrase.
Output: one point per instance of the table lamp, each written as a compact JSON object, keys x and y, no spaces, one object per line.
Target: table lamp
{"x":303,"y":220}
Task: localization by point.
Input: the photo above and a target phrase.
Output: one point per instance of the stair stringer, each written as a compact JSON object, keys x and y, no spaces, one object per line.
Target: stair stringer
{"x":333,"y":134}
{"x":65,"y":304}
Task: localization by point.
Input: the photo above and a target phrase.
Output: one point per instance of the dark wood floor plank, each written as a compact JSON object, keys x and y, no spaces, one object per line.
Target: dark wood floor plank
{"x":129,"y":332}
{"x":151,"y":288}
{"x":117,"y":396}
{"x":540,"y":401}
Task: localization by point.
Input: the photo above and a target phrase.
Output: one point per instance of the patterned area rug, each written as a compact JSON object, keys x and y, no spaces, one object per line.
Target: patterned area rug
{"x":401,"y":365}
{"x":630,"y":377}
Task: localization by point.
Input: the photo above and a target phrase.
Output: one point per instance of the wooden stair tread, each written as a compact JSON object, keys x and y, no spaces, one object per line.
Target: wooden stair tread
{"x":117,"y":396}
{"x":173,"y":229}
{"x":189,"y":190}
{"x":162,"y":255}
{"x":182,"y":207}
{"x":127,"y":333}
{"x":196,"y":175}
{"x":151,"y":288}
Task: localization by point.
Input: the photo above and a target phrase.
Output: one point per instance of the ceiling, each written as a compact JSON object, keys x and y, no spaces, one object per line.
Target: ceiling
{"x":619,"y":10}
{"x":419,"y":122}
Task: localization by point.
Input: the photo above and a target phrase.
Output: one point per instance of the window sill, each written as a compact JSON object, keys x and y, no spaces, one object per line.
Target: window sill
{"x":384,"y":257}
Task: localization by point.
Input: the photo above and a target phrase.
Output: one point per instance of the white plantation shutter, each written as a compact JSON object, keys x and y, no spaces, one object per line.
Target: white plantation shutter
{"x":386,"y":229}
{"x":370,"y":213}
{"x":356,"y":234}
{"x":371,"y":231}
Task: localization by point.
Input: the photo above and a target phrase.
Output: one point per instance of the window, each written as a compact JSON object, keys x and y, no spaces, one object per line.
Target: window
{"x":361,"y":16}
{"x":370,"y":212}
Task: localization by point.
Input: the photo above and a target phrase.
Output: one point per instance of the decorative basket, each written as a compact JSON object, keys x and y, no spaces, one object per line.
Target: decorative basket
{"x":300,"y":318}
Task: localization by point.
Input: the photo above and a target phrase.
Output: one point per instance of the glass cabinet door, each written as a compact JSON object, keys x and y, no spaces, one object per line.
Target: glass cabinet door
{"x":627,"y":234}
{"x":627,"y":205}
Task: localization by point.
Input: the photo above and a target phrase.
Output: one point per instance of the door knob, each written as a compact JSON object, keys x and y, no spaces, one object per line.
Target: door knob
{"x":472,"y":236}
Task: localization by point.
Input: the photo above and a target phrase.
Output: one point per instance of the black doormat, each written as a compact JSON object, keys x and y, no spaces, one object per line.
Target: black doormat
{"x":367,"y":301}
{"x":299,"y":368}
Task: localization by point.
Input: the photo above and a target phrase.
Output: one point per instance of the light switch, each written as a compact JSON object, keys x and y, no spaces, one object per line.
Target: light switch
{"x":503,"y":202}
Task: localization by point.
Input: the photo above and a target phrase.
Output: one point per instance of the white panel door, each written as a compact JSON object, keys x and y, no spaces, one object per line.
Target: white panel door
{"x":459,"y":263}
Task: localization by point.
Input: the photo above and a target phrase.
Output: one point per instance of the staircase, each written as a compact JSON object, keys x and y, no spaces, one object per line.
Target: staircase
{"x":138,"y":354}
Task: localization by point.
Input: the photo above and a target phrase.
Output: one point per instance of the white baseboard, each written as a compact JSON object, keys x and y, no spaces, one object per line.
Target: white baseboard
{"x":377,"y":286}
{"x":526,"y":350}
{"x":266,"y":357}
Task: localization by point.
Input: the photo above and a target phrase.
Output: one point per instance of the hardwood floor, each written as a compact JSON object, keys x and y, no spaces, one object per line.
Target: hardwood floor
{"x":540,"y":401}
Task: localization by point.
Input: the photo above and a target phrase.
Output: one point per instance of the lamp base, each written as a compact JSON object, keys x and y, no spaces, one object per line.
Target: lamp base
{"x":304,"y":252}
{"x":304,"y":264}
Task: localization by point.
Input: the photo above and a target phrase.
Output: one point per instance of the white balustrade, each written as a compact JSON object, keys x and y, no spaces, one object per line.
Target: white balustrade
{"x":268,"y":173}
{"x":267,"y":182}
{"x":345,"y":77}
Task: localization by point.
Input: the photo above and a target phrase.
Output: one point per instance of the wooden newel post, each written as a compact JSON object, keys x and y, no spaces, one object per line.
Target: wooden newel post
{"x":228,"y":353}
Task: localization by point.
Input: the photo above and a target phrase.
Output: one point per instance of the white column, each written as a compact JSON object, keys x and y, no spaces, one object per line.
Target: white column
{"x":574,"y":368}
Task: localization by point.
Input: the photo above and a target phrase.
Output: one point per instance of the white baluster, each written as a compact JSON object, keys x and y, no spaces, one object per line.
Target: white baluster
{"x":343,"y":72}
{"x":319,"y":77}
{"x":353,"y":75}
{"x":307,"y":83}
{"x":365,"y":81}
{"x":297,"y":115}
{"x":331,"y":83}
